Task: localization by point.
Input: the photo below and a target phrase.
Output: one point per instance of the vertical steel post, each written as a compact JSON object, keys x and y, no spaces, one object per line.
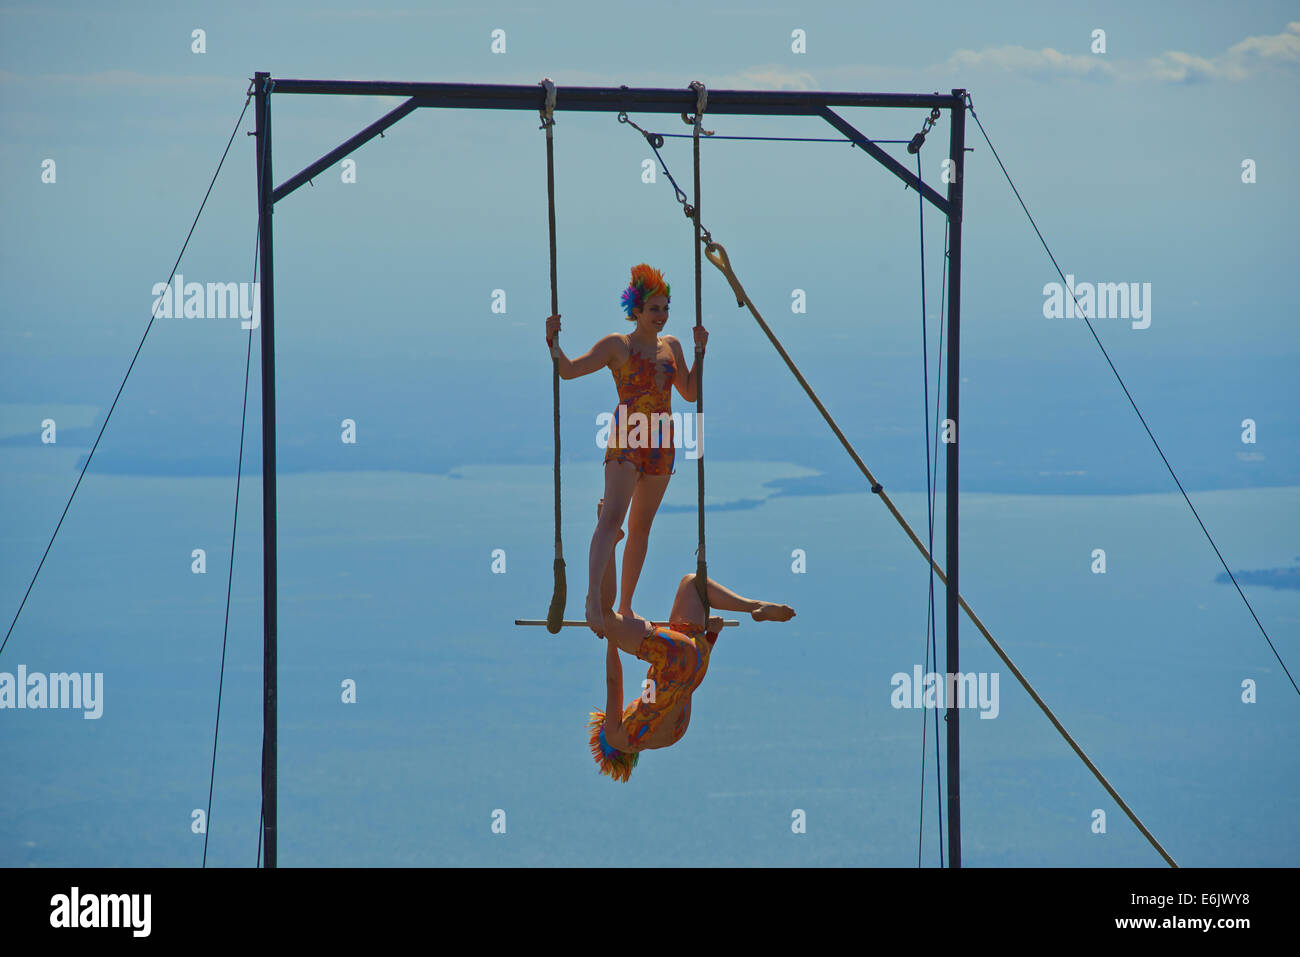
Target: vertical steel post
{"x":265,"y":206}
{"x":956,"y":154}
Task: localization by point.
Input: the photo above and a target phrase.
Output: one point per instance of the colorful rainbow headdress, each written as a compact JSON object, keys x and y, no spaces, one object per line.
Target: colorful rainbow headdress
{"x":646,"y":282}
{"x":617,"y":764}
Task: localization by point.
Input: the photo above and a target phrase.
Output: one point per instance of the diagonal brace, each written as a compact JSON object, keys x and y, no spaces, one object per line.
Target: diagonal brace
{"x":885,"y":160}
{"x":336,"y":154}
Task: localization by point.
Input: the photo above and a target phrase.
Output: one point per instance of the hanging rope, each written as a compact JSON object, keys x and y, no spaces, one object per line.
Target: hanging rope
{"x":230,"y":572}
{"x":701,"y":566}
{"x":555,"y":614}
{"x":933,"y":491}
{"x":717,"y":254}
{"x":930,"y":482}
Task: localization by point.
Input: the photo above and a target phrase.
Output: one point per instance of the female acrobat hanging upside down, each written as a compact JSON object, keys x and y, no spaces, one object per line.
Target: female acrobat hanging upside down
{"x":637,"y":469}
{"x":678,"y":657}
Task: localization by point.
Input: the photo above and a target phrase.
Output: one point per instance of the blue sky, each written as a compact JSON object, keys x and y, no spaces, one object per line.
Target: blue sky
{"x":1129,"y":160}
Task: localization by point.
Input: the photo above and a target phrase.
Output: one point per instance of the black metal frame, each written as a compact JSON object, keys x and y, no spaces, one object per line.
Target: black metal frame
{"x":479,"y":96}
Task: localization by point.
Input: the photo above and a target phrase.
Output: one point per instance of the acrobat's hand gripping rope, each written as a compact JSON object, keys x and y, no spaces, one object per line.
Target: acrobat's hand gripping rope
{"x":555,"y":614}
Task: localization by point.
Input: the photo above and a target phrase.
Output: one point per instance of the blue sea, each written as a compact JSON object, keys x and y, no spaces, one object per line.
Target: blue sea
{"x":796,"y":754}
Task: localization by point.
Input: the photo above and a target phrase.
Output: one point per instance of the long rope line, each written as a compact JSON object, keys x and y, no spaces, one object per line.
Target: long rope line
{"x":152,"y":317}
{"x":692,"y":211}
{"x":559,"y":596}
{"x":782,"y":139}
{"x":971,"y":106}
{"x":230,"y":574}
{"x":933,"y":490}
{"x":701,"y":565}
{"x":929,"y":484}
{"x":717,"y":255}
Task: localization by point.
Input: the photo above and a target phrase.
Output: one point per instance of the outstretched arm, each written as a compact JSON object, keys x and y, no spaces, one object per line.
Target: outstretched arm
{"x":596,"y":358}
{"x":613,"y":690}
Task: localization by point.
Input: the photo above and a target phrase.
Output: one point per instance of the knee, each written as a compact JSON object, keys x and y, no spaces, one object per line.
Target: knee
{"x":687,"y":579}
{"x":639,"y":526}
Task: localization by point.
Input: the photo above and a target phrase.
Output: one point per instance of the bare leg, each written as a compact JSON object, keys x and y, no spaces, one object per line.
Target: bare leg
{"x":607,"y":583}
{"x":687,"y":607}
{"x":620,"y":480}
{"x":645,"y":503}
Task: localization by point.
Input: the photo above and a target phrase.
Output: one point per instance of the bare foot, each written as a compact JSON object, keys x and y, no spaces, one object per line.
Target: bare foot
{"x":767,"y":611}
{"x":595,"y":617}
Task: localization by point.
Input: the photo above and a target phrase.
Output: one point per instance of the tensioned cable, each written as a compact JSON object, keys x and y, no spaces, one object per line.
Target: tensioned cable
{"x":971,"y":106}
{"x":930,"y":482}
{"x":701,"y":566}
{"x":716,"y":253}
{"x":230,"y":575}
{"x":184,"y":246}
{"x":783,"y":139}
{"x":932,"y":650}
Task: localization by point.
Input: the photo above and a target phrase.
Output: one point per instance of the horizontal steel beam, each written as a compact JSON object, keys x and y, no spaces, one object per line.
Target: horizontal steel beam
{"x":490,"y":96}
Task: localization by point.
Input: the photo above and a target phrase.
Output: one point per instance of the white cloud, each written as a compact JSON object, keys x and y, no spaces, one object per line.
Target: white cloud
{"x":765,"y":77}
{"x":1244,"y":59}
{"x":1039,"y":63}
{"x":1240,"y":61}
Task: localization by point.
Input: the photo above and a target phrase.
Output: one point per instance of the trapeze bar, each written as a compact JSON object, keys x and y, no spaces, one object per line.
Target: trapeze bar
{"x":582,"y":624}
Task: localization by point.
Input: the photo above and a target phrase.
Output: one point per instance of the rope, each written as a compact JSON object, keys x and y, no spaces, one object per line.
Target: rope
{"x":701,"y":566}
{"x":230,"y":574}
{"x":781,"y":139}
{"x":152,"y":317}
{"x":930,"y":482}
{"x":971,"y":107}
{"x":938,"y":391}
{"x":555,"y":614}
{"x":656,"y":140}
{"x":718,"y":256}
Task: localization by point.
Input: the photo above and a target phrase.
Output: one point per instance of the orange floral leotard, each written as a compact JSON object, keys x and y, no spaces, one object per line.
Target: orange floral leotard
{"x":642,"y":430}
{"x":678,"y":658}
